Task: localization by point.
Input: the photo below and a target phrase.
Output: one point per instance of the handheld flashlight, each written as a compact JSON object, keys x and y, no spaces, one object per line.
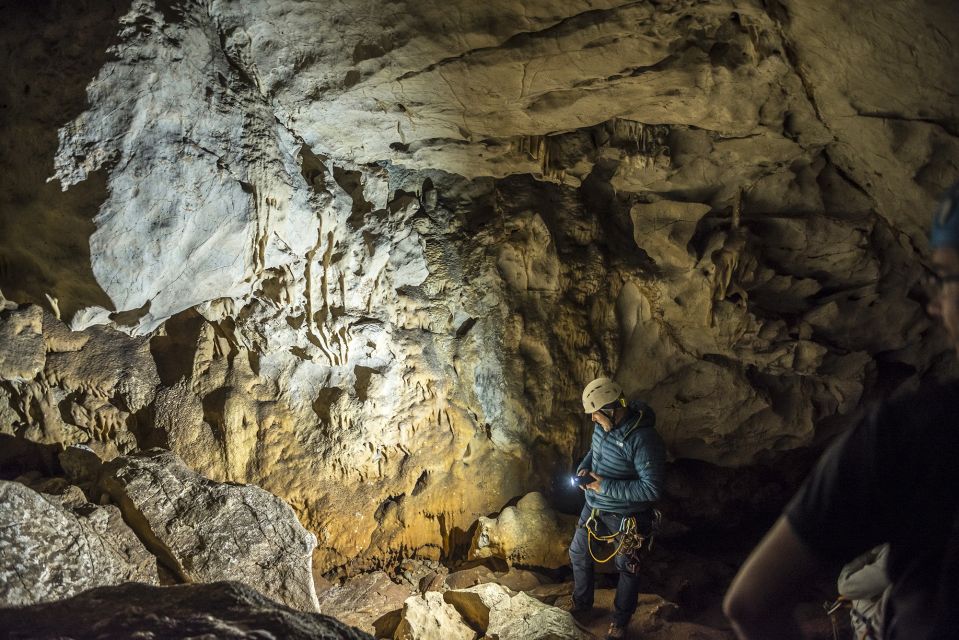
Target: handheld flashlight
{"x":580,"y":481}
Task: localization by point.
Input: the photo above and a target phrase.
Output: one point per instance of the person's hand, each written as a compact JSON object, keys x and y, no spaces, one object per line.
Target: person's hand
{"x":581,"y":473}
{"x":595,"y":484}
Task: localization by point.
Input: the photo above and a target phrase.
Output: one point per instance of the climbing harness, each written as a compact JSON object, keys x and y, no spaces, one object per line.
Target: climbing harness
{"x":630,"y":540}
{"x":831,"y":609}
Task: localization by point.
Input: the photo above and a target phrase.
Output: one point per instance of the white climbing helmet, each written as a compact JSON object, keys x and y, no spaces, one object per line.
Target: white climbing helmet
{"x":599,"y":393}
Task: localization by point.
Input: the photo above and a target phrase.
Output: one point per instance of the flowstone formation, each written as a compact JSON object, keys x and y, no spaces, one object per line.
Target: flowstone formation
{"x":366,"y":258}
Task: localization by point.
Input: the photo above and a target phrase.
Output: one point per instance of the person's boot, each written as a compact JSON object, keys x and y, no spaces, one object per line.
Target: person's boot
{"x":582,"y":613}
{"x":616,"y":632}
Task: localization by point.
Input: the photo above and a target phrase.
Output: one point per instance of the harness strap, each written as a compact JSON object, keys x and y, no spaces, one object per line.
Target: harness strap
{"x":627,"y":532}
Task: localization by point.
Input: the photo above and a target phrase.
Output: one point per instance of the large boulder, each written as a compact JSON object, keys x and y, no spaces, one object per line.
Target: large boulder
{"x":207,"y":531}
{"x":429,"y":617}
{"x":223,"y":610}
{"x":531,"y":533}
{"x":500,"y":613}
{"x":53,"y":547}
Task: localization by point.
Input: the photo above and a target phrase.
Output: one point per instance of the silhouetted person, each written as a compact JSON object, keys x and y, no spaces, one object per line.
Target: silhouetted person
{"x":894,"y":478}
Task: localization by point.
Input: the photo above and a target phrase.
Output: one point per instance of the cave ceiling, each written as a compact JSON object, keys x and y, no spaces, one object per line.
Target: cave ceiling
{"x":365,"y":255}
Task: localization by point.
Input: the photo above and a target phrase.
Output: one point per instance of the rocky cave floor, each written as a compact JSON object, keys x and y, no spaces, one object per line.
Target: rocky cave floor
{"x":684,"y":580}
{"x":461,"y":595}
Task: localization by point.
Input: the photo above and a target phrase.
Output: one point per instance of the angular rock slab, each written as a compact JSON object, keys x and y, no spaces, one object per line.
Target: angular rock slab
{"x":500,"y":613}
{"x":49,"y":552}
{"x":531,"y":533}
{"x":362,"y":600}
{"x":222,"y":610}
{"x":208,"y":531}
{"x":429,"y":617}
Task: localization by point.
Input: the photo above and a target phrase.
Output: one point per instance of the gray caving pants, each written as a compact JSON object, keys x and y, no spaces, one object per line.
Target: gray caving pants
{"x":627,"y":591}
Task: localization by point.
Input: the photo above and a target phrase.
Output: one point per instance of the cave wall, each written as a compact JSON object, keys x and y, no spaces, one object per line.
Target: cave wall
{"x":366,"y":256}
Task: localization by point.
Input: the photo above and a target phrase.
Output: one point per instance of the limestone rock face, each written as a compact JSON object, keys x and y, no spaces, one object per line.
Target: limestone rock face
{"x":531,"y":533}
{"x":228,"y":610}
{"x":54,"y":547}
{"x":367,"y":260}
{"x":206,"y":531}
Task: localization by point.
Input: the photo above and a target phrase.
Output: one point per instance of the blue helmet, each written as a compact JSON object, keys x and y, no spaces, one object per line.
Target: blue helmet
{"x":945,"y":222}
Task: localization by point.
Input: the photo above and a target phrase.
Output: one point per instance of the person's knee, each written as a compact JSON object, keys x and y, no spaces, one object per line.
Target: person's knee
{"x":577,"y":550}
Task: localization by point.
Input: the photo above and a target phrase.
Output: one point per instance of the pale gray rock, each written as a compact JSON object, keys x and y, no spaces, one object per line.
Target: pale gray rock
{"x":228,"y":610}
{"x":429,"y":617}
{"x":54,"y":547}
{"x":498,"y":612}
{"x":243,"y":218}
{"x":206,"y":531}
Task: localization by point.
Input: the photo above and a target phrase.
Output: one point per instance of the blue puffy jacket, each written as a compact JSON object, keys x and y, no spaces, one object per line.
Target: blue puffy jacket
{"x":631,"y":459}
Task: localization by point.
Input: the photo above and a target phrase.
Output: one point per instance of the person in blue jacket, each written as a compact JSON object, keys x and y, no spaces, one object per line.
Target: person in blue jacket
{"x":623,"y":473}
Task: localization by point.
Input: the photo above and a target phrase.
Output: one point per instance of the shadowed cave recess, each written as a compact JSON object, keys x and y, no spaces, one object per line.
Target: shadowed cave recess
{"x":303,"y":295}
